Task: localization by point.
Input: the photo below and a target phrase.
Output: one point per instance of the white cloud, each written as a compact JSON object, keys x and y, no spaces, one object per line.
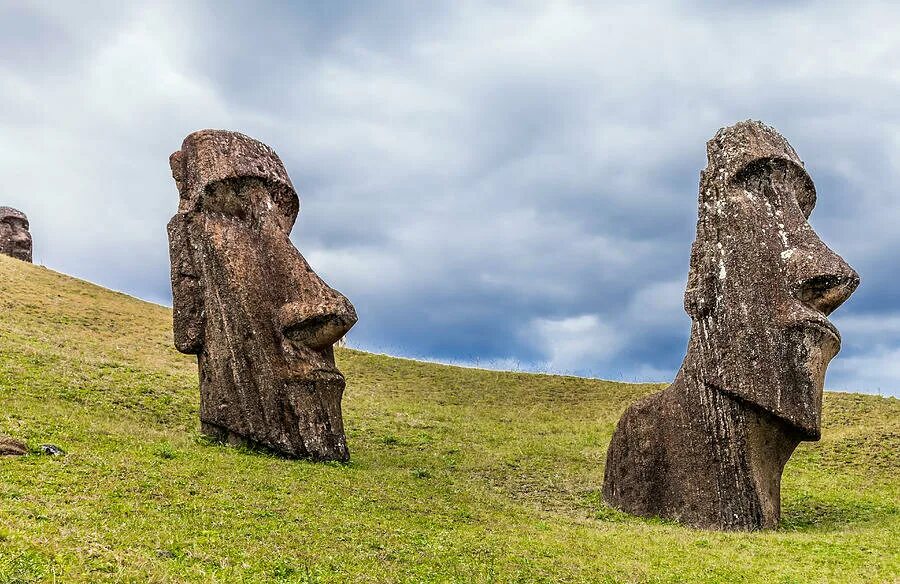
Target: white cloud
{"x":874,"y":372}
{"x":574,"y":343}
{"x":489,"y":168}
{"x":868,"y":328}
{"x":659,"y":304}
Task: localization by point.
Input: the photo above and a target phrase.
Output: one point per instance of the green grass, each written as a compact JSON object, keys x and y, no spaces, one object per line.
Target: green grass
{"x":457,"y":474}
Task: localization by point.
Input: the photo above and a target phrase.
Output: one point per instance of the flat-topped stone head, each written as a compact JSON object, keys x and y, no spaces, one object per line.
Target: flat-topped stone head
{"x":245,"y":301}
{"x":710,"y":449}
{"x":762,"y":283}
{"x":15,"y":239}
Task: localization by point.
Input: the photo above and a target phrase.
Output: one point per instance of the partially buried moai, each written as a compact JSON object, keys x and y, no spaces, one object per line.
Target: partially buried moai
{"x":15,"y":240}
{"x":710,"y":449}
{"x":260,"y":321}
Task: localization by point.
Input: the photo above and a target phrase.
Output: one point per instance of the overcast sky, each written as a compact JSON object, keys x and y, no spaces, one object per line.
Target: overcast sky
{"x":503,"y":184}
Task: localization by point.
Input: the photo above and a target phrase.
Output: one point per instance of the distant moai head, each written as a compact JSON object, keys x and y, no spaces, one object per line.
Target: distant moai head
{"x":262,"y":323}
{"x":15,"y":240}
{"x":761,"y":282}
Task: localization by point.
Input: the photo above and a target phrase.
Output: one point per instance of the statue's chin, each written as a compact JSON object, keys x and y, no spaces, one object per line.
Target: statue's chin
{"x":814,"y":348}
{"x":793,"y":392}
{"x":819,"y":348}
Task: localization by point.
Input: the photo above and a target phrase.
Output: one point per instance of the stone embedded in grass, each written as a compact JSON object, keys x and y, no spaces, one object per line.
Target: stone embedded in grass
{"x":12,"y":447}
{"x":260,"y":321}
{"x":52,"y":450}
{"x":15,"y":240}
{"x":710,"y":449}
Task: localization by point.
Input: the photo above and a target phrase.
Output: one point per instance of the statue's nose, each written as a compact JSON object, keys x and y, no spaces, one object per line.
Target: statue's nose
{"x":825,"y":280}
{"x":320,"y":324}
{"x":827,"y":291}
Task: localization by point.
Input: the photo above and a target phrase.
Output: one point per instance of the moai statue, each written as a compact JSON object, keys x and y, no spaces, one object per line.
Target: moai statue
{"x":260,"y":321}
{"x":710,"y":449}
{"x":15,"y":240}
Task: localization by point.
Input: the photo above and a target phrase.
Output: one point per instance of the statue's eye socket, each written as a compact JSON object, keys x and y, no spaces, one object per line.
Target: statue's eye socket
{"x":776,"y":178}
{"x":225,"y":198}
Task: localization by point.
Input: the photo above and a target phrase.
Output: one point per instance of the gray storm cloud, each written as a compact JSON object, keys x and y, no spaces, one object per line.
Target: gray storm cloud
{"x":510,"y":184}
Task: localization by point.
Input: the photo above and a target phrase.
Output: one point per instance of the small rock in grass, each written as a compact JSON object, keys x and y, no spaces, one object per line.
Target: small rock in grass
{"x":12,"y":447}
{"x":52,"y":450}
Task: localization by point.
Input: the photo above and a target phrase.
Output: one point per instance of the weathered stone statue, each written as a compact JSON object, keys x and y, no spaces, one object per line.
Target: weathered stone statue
{"x":709,"y":450}
{"x":261,"y":322}
{"x":15,"y":240}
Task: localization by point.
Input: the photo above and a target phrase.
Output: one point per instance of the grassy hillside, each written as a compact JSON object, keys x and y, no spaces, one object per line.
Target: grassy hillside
{"x":457,"y":475}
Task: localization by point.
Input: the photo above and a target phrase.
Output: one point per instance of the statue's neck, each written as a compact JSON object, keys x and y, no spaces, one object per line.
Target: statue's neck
{"x":749,"y":446}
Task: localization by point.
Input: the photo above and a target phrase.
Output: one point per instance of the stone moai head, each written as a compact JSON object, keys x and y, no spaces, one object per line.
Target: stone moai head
{"x":761,"y":283}
{"x":262,"y":323}
{"x":710,"y":449}
{"x":15,"y":240}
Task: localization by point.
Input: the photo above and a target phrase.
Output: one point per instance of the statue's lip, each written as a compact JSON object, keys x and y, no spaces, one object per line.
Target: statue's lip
{"x":327,"y":372}
{"x":824,"y":325}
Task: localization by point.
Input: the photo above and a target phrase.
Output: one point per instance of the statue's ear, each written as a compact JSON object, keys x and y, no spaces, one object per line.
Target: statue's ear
{"x":176,"y":163}
{"x":187,"y":288}
{"x":700,"y":293}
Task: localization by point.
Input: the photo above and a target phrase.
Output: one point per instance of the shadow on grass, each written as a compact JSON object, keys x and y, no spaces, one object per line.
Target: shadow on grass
{"x":255,"y":450}
{"x":593,"y":502}
{"x":808,"y":513}
{"x":805,"y":513}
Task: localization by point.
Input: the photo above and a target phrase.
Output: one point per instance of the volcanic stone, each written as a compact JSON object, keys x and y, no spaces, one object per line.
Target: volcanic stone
{"x":12,"y":447}
{"x":15,"y":240}
{"x":260,"y":321}
{"x":710,"y":449}
{"x":52,"y":450}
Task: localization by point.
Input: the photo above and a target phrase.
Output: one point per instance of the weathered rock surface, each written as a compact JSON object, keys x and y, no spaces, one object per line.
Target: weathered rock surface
{"x":710,"y":449}
{"x":15,"y":240}
{"x":12,"y":447}
{"x":261,"y":322}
